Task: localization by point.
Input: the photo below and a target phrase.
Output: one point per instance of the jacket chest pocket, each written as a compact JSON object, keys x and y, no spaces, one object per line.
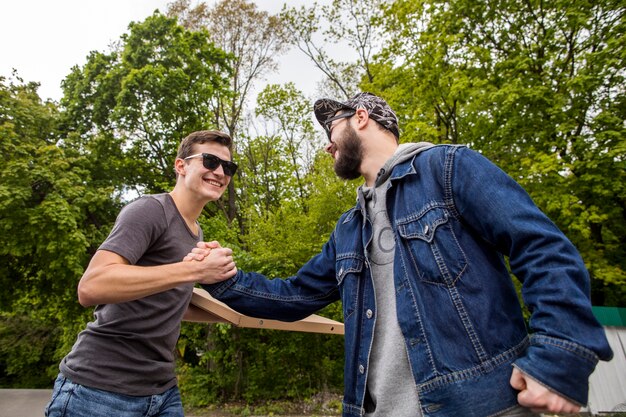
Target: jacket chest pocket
{"x":432,"y":247}
{"x":349,"y":269}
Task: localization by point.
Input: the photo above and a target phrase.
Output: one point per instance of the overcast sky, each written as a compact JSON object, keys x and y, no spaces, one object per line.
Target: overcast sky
{"x":44,"y":39}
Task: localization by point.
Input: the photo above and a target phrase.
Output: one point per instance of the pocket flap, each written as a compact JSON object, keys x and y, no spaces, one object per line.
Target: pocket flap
{"x":424,"y":226}
{"x":346,"y":265}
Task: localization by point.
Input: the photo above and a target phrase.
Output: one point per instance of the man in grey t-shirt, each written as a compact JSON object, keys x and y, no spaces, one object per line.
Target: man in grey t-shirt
{"x":122,"y":364}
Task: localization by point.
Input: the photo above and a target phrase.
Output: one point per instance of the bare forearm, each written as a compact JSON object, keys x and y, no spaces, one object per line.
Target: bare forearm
{"x":117,"y":283}
{"x":109,"y":278}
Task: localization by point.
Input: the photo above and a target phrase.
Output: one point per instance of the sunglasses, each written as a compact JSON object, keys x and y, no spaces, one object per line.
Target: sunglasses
{"x":328,"y":122}
{"x":211,"y":162}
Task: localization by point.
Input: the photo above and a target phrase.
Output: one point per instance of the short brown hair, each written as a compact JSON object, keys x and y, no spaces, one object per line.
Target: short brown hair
{"x":185,"y":148}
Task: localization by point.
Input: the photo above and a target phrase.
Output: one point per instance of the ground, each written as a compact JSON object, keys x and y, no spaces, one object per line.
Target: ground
{"x":326,"y":405}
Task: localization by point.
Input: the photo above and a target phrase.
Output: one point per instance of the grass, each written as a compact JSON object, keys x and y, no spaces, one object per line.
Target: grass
{"x":326,"y":405}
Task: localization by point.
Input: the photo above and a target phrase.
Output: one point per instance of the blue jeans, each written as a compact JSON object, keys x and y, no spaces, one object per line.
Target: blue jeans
{"x":74,"y":400}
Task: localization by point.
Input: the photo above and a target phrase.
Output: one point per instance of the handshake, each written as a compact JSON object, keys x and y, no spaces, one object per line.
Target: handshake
{"x":212,"y":263}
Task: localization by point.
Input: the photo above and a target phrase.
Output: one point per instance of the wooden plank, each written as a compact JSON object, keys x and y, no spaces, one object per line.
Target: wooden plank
{"x":202,"y":299}
{"x":214,"y":311}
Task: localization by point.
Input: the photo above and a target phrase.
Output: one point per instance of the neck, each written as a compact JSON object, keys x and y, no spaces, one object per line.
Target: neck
{"x":376,"y":153}
{"x":190,"y":207}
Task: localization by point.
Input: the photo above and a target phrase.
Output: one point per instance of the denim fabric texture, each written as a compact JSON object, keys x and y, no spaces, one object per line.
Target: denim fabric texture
{"x":455,"y":216}
{"x":74,"y":400}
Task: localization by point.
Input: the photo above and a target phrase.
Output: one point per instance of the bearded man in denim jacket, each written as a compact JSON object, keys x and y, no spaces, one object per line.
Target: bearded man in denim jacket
{"x":433,"y":325}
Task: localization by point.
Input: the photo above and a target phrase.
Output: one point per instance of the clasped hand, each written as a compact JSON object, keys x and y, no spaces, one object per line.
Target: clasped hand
{"x":215,"y":263}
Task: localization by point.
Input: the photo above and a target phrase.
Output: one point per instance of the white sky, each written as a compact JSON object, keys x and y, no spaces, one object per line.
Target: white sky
{"x":44,"y":39}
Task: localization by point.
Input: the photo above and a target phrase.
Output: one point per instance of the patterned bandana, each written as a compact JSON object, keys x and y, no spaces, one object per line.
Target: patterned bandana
{"x":377,"y":108}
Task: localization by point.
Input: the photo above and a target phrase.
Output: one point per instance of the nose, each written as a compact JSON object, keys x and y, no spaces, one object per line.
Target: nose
{"x":329,"y":148}
{"x":218,"y":171}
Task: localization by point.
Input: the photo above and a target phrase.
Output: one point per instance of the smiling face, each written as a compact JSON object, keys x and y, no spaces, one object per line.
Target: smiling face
{"x":203,"y":183}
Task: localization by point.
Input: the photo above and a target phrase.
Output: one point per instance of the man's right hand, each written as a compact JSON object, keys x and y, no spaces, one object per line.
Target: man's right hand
{"x":539,"y":398}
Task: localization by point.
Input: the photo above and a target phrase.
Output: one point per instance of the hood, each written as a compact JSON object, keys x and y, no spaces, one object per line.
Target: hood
{"x":404,"y":152}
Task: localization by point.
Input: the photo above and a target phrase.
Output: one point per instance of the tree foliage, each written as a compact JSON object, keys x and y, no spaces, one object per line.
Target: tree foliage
{"x":142,"y":98}
{"x":49,"y":217}
{"x":537,"y":87}
{"x":254,"y":39}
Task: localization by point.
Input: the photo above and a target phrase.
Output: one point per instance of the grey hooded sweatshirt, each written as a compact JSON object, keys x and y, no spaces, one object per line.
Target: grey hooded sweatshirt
{"x":391,"y":389}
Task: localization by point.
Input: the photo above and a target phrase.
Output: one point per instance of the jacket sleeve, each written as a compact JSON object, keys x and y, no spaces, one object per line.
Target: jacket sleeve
{"x":566,"y":339}
{"x":290,"y":299}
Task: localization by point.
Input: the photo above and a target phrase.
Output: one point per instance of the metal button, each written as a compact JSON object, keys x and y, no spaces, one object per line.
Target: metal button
{"x":369,"y":313}
{"x":361,"y":369}
{"x":426,"y":229}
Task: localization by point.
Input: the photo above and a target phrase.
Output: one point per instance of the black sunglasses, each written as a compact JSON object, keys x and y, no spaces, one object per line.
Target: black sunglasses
{"x":211,"y":162}
{"x":328,"y":122}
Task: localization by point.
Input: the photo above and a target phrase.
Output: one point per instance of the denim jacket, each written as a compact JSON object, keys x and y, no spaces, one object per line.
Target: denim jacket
{"x":455,"y":216}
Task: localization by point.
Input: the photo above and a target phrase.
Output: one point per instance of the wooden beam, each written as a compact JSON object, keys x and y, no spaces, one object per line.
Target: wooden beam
{"x":210,"y":310}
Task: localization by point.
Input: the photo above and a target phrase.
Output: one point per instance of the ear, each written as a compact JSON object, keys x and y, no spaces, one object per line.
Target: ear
{"x":180,"y":167}
{"x":362,"y":118}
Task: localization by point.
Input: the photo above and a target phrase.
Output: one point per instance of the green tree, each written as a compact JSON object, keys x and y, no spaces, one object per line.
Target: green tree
{"x":49,"y":215}
{"x":539,"y":88}
{"x":288,"y":113}
{"x":133,"y":105}
{"x":254,"y":39}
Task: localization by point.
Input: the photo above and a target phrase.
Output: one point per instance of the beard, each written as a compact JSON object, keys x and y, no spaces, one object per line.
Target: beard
{"x":348,"y":165}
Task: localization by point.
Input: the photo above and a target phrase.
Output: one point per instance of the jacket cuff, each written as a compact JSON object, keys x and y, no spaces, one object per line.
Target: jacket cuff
{"x":561,"y":366}
{"x":217,"y":289}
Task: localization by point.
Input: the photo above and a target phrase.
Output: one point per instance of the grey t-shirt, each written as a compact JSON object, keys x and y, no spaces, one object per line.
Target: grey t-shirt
{"x":129,"y":347}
